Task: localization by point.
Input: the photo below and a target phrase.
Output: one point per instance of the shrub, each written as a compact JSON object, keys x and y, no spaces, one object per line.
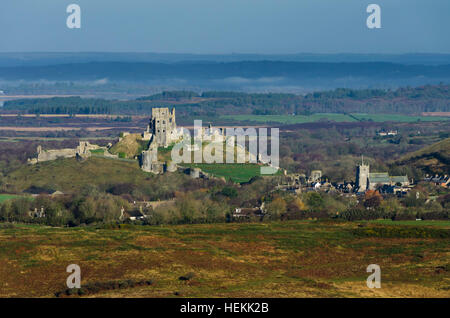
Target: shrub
{"x":372,"y":199}
{"x":96,"y":287}
{"x":276,"y":208}
{"x":401,"y":232}
{"x":358,"y":213}
{"x":404,"y":216}
{"x":314,"y":200}
{"x":229,"y":192}
{"x":304,"y":215}
{"x":6,"y":225}
{"x":434,"y":215}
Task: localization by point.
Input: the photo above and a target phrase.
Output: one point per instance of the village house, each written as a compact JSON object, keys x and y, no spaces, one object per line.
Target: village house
{"x":247,"y":213}
{"x":384,"y":133}
{"x":443,"y":181}
{"x":37,"y":213}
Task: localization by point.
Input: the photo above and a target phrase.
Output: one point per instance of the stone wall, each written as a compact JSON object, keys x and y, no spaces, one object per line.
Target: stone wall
{"x":149,"y":162}
{"x":83,"y":150}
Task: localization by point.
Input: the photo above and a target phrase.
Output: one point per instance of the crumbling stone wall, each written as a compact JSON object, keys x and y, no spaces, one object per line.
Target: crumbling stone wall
{"x":81,"y":151}
{"x":149,"y":162}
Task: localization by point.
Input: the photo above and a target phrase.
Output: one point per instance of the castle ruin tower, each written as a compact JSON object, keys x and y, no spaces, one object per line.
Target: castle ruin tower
{"x":161,"y":132}
{"x":163,"y":126}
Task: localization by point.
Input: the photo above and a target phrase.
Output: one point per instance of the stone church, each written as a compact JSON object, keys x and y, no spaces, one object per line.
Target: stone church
{"x":366,"y":180}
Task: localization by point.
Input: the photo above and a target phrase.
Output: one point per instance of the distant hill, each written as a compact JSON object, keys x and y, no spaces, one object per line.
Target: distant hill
{"x":53,"y":58}
{"x":429,"y":98}
{"x":433,"y":159}
{"x":274,"y":71}
{"x":108,"y":74}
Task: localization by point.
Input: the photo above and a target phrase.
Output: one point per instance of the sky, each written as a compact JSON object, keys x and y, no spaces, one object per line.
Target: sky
{"x":226,"y":26}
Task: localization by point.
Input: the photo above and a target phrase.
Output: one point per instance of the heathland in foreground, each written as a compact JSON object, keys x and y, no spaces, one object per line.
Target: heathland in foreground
{"x":275,"y":259}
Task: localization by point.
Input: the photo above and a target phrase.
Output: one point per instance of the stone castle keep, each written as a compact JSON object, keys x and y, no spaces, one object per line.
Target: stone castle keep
{"x":161,"y":132}
{"x":162,"y":128}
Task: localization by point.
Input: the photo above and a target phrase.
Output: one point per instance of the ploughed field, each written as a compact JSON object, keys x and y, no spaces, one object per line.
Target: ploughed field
{"x":275,"y":259}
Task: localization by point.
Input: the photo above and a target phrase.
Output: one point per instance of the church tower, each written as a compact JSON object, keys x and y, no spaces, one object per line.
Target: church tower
{"x":362,"y":176}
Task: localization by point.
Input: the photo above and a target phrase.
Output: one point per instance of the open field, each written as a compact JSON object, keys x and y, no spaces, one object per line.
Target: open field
{"x":413,"y":222}
{"x":436,"y":114}
{"x":397,"y":118}
{"x":13,"y":97}
{"x":289,"y":119}
{"x":237,"y":172}
{"x":4,"y":197}
{"x":300,"y":119}
{"x":103,"y":116}
{"x":20,"y":139}
{"x":279,"y":259}
{"x":56,"y":128}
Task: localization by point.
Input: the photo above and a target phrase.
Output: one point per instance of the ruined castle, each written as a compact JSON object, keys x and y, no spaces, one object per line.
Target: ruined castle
{"x":162,"y":128}
{"x":82,"y":151}
{"x":161,"y":132}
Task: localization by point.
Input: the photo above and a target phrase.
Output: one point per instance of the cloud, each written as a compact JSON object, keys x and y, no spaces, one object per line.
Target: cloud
{"x":102,"y":81}
{"x":244,"y":80}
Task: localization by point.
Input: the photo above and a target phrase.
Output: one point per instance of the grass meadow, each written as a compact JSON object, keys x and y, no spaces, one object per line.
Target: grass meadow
{"x":237,"y":172}
{"x":4,"y":197}
{"x":275,"y":259}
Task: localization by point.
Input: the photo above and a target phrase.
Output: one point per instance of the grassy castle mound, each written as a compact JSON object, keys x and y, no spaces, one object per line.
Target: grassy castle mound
{"x":129,"y":146}
{"x":71,"y":176}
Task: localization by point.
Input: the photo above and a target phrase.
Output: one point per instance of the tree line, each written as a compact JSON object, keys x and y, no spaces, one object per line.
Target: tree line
{"x":429,"y":98}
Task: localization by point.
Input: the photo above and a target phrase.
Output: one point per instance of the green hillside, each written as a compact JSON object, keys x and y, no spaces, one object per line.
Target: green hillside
{"x":432,"y":159}
{"x":5,"y":197}
{"x":236,"y":172}
{"x":70,"y":175}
